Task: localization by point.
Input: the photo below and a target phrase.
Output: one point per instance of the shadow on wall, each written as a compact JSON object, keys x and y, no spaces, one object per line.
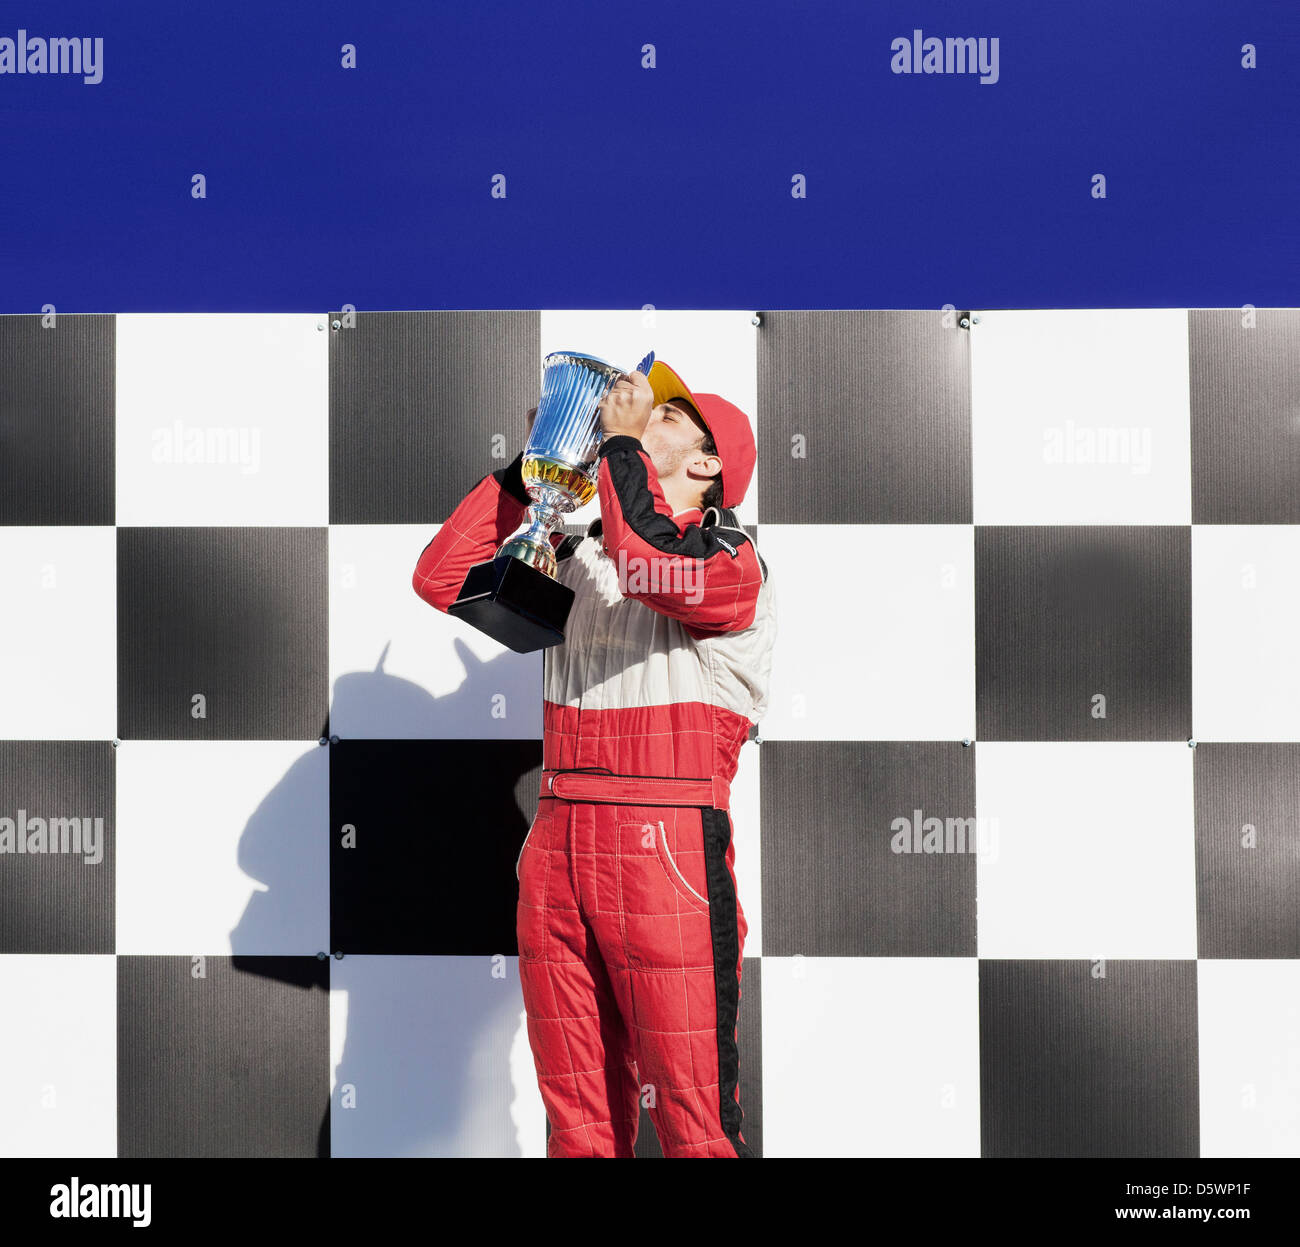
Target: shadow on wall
{"x":435,"y":1046}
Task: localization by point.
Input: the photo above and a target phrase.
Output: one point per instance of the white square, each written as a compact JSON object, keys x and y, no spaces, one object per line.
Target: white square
{"x":870,"y":1056}
{"x":714,"y":352}
{"x":875,"y":636}
{"x":399,"y":668}
{"x":58,"y":633}
{"x":1081,"y":417}
{"x":222,"y":419}
{"x":1092,"y":850}
{"x":222,"y":847}
{"x":1245,"y":604}
{"x":58,"y":1049}
{"x":1249,"y":1028}
{"x":432,"y":1059}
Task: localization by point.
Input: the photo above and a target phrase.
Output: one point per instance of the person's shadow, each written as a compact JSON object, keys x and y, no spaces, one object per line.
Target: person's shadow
{"x":428,"y":1038}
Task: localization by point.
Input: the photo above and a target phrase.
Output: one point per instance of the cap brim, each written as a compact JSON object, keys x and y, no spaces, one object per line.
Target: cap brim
{"x":667,"y":385}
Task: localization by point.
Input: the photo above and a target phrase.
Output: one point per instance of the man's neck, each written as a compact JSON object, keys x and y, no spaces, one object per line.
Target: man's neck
{"x":680,"y":502}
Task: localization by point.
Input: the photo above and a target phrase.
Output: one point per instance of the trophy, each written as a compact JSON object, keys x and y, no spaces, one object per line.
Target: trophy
{"x":515,"y":598}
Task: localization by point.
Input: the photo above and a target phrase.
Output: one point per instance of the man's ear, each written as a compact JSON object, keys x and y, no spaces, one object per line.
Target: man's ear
{"x":708,"y":465}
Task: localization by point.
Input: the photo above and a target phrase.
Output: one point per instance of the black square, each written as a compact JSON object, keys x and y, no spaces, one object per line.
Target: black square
{"x":60,"y":899}
{"x":57,"y":403}
{"x":1073,"y":1064}
{"x":1083,"y":633}
{"x":237,"y":615}
{"x":1248,"y":850}
{"x":864,"y":418}
{"x":423,"y":405}
{"x":842,"y":876}
{"x":234,"y":1063}
{"x":436,"y":829}
{"x":1245,"y":401}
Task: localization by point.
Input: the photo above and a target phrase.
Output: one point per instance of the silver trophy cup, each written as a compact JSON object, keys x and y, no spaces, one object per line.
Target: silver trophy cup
{"x":516,"y":598}
{"x":559,"y":466}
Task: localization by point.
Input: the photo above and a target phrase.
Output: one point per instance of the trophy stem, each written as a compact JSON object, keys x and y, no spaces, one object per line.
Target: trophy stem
{"x":533,"y":545}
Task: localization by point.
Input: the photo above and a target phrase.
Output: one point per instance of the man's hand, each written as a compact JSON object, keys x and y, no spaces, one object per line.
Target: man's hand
{"x":627,"y":406}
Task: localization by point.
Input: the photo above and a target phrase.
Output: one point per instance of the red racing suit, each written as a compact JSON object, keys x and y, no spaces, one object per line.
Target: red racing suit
{"x":630,"y":929}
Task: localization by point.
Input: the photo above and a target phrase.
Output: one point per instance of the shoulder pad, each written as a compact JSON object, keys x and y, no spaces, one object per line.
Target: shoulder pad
{"x":724,"y":520}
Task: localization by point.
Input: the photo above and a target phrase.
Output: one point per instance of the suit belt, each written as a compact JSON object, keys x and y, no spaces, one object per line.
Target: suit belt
{"x":602,"y":786}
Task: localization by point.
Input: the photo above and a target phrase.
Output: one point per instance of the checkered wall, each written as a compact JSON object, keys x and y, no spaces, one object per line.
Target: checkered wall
{"x":1019,"y":844}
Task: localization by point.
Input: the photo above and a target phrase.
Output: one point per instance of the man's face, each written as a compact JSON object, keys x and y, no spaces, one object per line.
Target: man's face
{"x":671,"y":437}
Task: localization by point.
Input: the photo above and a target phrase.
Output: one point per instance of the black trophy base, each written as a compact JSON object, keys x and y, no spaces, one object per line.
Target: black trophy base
{"x":515,"y":604}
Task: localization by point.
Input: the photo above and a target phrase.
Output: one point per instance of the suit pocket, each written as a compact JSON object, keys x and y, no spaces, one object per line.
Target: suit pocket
{"x":682,"y":861}
{"x":523,"y":848}
{"x":532,"y":870}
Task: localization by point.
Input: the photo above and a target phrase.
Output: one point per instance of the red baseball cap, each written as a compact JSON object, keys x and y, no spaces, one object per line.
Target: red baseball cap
{"x":727,"y":424}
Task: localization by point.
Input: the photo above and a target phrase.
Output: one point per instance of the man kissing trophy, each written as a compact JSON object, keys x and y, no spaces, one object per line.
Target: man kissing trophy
{"x":629,"y":926}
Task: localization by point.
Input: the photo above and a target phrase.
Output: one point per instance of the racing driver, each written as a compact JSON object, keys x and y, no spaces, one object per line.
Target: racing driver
{"x":629,"y":925}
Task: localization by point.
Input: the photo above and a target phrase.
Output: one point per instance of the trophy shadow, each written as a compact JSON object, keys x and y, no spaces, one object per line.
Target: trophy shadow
{"x":425,"y":1038}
